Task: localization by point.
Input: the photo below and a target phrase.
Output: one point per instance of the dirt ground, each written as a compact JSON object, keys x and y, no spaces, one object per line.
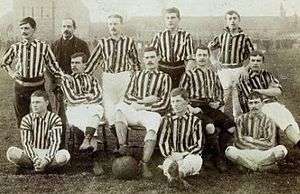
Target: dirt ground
{"x":77,"y":178}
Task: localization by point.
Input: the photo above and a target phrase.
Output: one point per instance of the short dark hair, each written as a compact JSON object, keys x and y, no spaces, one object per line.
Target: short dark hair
{"x":257,"y":53}
{"x":28,"y":20}
{"x":173,"y":10}
{"x":231,"y":12}
{"x":80,"y":54}
{"x":149,"y":49}
{"x":73,"y":22}
{"x":203,"y":47}
{"x":116,"y":16}
{"x":40,"y":93}
{"x":254,"y":95}
{"x":180,"y":92}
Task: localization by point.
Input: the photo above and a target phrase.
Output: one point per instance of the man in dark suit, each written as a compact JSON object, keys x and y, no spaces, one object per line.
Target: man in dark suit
{"x":63,"y":49}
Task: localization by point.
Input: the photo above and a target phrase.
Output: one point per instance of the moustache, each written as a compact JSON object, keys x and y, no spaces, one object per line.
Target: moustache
{"x":67,"y":32}
{"x":113,"y":29}
{"x":24,"y":34}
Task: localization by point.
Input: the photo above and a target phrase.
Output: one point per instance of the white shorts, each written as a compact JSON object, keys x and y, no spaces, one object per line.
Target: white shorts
{"x":259,"y":157}
{"x":190,"y":165}
{"x":149,"y":120}
{"x":229,"y":76}
{"x":280,"y":115}
{"x":84,"y":115}
{"x":114,"y":88}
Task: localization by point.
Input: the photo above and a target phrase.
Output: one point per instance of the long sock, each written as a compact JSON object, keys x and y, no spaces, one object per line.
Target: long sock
{"x":121,"y":130}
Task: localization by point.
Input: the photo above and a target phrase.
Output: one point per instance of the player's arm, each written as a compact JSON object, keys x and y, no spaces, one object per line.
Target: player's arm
{"x":96,"y":94}
{"x":165,"y":138}
{"x":7,"y":60}
{"x":241,"y":133}
{"x":248,"y":48}
{"x":27,"y":138}
{"x":51,"y":62}
{"x":164,"y":96}
{"x":130,"y":96}
{"x":133,"y":57}
{"x":196,"y":147}
{"x":67,"y":88}
{"x":274,"y":88}
{"x":218,"y":93}
{"x":93,"y":61}
{"x":189,"y":51}
{"x":55,"y":138}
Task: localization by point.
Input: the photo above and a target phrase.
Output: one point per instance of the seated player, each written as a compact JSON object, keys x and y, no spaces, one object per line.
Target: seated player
{"x":255,"y":144}
{"x":264,"y":83}
{"x":180,"y":141}
{"x":147,"y":97}
{"x":205,"y":92}
{"x":41,"y":137}
{"x":84,"y":96}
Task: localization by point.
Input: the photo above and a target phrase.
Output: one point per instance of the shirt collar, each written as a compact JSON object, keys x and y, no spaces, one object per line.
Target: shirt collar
{"x":36,"y":116}
{"x":253,"y":73}
{"x":68,"y":38}
{"x":33,"y":43}
{"x":185,"y":116}
{"x":122,"y":36}
{"x":148,"y":71}
{"x":240,"y":31}
{"x":179,"y":30}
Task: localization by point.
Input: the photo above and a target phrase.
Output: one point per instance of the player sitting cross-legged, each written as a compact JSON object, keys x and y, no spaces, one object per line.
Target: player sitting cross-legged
{"x":255,"y":144}
{"x":84,"y":96}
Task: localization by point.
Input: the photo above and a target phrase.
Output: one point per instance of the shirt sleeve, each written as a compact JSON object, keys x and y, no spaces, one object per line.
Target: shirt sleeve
{"x":189,"y":50}
{"x":248,"y":47}
{"x":219,"y":91}
{"x":130,"y":92}
{"x":8,"y":57}
{"x":215,"y":43}
{"x":27,"y":138}
{"x":67,"y":87}
{"x":51,"y":62}
{"x":165,"y":138}
{"x":196,"y":147}
{"x":164,"y":96}
{"x":97,"y":91}
{"x":133,"y":56}
{"x":55,"y":138}
{"x":93,"y":61}
{"x":185,"y":82}
{"x":271,"y":80}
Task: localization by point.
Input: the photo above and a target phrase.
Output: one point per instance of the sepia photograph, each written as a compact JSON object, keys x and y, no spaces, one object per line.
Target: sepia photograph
{"x":150,"y":96}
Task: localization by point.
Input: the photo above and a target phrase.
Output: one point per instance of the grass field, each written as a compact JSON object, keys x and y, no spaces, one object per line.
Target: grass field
{"x":285,"y":64}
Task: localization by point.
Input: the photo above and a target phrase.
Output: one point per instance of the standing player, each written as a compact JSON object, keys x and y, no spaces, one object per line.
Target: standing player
{"x":180,"y":141}
{"x":264,"y":83}
{"x":40,"y":136}
{"x":32,"y":57}
{"x":147,"y":97}
{"x":174,"y":45}
{"x":119,"y":56}
{"x":235,"y":47}
{"x":205,"y":92}
{"x":63,"y":49}
{"x":84,"y":96}
{"x":255,"y":146}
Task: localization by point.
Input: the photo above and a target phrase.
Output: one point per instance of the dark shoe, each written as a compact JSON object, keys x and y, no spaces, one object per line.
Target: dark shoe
{"x":221,"y":166}
{"x":85,"y":144}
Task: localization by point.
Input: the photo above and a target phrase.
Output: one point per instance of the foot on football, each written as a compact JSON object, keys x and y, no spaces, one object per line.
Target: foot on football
{"x":98,"y":169}
{"x":146,"y":172}
{"x":221,"y":166}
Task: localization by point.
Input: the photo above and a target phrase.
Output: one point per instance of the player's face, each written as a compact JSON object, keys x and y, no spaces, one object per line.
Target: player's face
{"x":26,"y":31}
{"x":77,"y":65}
{"x":171,"y":21}
{"x":255,"y":104}
{"x":232,"y":21}
{"x":150,"y":60}
{"x":67,"y":28}
{"x":179,"y":105}
{"x":114,"y":26}
{"x":202,"y":56}
{"x":38,"y":104}
{"x":255,"y":62}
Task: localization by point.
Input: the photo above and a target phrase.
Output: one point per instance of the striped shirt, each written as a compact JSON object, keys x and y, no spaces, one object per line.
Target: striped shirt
{"x":41,"y":133}
{"x":180,"y":134}
{"x":32,"y":58}
{"x":261,"y":128}
{"x":76,"y":88}
{"x":234,"y":49}
{"x":173,"y":48}
{"x":147,"y":83}
{"x":117,"y":55}
{"x":202,"y":83}
{"x":257,"y":80}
